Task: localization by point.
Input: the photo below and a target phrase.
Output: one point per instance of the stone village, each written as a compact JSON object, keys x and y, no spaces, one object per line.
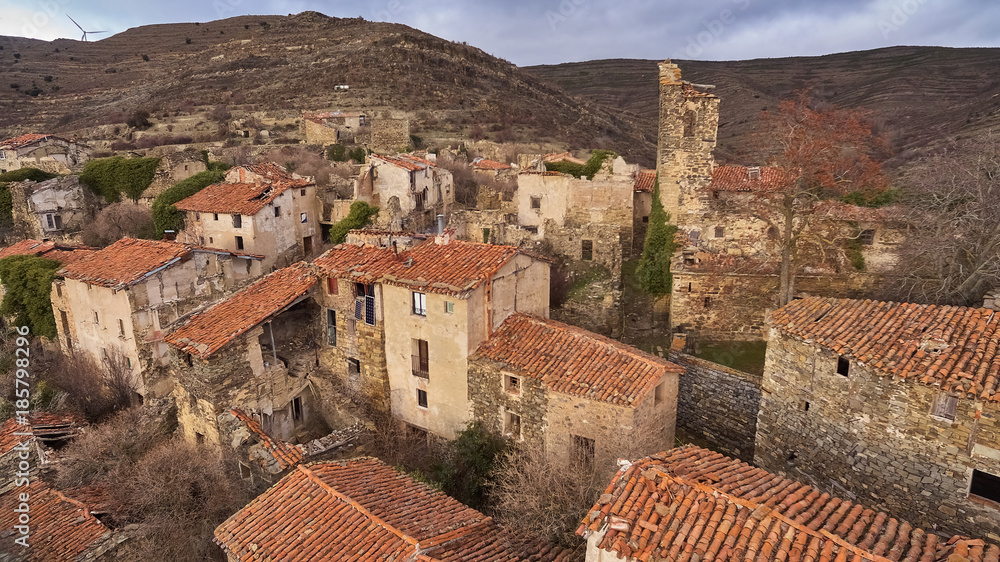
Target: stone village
{"x":872,"y":434}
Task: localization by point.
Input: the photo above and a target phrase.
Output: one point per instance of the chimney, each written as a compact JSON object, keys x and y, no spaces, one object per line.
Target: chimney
{"x":243,"y":174}
{"x":440,"y":225}
{"x":670,"y":73}
{"x":170,"y":235}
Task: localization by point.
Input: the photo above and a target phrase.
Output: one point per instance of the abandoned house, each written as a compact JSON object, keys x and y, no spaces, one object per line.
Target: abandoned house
{"x":575,"y":393}
{"x":898,"y":404}
{"x":334,"y":127}
{"x":55,"y":209}
{"x":44,"y":152}
{"x":34,"y":441}
{"x":444,"y":297}
{"x":279,"y":220}
{"x":62,"y":527}
{"x":120,"y":299}
{"x":174,"y":166}
{"x":262,"y":172}
{"x":408,"y":190}
{"x":351,"y":510}
{"x":689,"y":503}
{"x":255,"y":351}
{"x":491,"y":168}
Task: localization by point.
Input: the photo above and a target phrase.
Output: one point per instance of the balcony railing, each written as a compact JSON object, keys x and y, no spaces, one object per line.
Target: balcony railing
{"x":420,"y":367}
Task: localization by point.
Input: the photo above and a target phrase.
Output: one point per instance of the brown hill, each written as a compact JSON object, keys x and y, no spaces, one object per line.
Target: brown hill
{"x":919,"y":96}
{"x":278,"y":63}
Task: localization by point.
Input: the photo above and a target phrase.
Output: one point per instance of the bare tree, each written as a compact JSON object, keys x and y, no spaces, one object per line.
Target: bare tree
{"x":119,"y":220}
{"x":952,"y":254}
{"x":302,"y":161}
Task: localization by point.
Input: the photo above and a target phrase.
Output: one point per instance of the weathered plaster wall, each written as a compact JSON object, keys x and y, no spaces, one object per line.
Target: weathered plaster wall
{"x":719,"y":405}
{"x":871,"y":438}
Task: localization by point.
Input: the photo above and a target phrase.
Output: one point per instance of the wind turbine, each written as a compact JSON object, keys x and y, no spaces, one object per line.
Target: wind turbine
{"x":84,"y":38}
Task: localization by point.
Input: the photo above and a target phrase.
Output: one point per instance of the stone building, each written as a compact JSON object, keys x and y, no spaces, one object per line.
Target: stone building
{"x":444,"y":297}
{"x":408,"y":190}
{"x":574,"y":393}
{"x":350,"y":510}
{"x":254,"y":351}
{"x":55,"y":209}
{"x":122,"y":298}
{"x":44,"y":152}
{"x":692,"y":504}
{"x":895,"y":404}
{"x":279,"y":219}
{"x":262,"y":172}
{"x":174,"y":167}
{"x":333,"y":127}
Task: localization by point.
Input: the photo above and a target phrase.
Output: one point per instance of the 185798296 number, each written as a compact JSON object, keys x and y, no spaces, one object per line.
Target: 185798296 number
{"x":22,"y":390}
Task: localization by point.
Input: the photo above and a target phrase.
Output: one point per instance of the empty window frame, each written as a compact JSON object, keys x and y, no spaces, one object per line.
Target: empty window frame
{"x":512,"y":425}
{"x":944,"y":406}
{"x":512,"y":384}
{"x":421,"y":398}
{"x":297,"y":409}
{"x":121,"y":327}
{"x":303,"y":217}
{"x":586,"y":250}
{"x":216,"y":216}
{"x":659,"y":393}
{"x":277,"y":211}
{"x":420,"y":304}
{"x":867,"y":237}
{"x":536,"y":202}
{"x":583,"y":450}
{"x":843,"y":366}
{"x":237,"y":221}
{"x":720,"y":232}
{"x":353,"y":367}
{"x":985,"y":485}
{"x":331,"y":285}
{"x":420,"y":359}
{"x":239,"y":242}
{"x":331,"y":327}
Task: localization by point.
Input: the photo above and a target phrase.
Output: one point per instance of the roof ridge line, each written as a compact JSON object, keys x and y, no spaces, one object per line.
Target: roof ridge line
{"x":452,"y":535}
{"x":358,"y":507}
{"x":773,"y":512}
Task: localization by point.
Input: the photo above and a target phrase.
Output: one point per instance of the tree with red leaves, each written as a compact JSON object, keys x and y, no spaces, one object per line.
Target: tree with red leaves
{"x":822,"y":153}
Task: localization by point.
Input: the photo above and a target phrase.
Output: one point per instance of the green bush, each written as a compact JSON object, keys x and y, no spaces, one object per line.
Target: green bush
{"x":28,"y":284}
{"x":32,"y":174}
{"x":358,"y":217}
{"x":358,"y":155}
{"x":465,"y":473}
{"x":654,"y":264}
{"x":589,"y":169}
{"x":165,"y":214}
{"x":6,"y":207}
{"x":337,"y":153}
{"x":116,"y":176}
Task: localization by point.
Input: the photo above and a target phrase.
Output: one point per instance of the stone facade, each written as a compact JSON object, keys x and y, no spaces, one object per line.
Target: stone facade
{"x":390,"y":134}
{"x":869,"y":437}
{"x":55,"y":209}
{"x":44,"y":152}
{"x":174,"y":167}
{"x":719,"y":405}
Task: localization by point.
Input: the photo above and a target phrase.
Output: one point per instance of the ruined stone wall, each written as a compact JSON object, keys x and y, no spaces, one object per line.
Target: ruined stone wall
{"x":871,"y":439}
{"x":491,"y":401}
{"x":729,"y":306}
{"x":389,"y":135}
{"x":174,"y":167}
{"x":317,"y":133}
{"x":719,"y":405}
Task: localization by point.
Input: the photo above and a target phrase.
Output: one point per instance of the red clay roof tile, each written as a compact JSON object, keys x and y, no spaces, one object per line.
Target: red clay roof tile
{"x":690,"y":503}
{"x":738,"y":178}
{"x":484,"y":164}
{"x":363,"y":509}
{"x":287,"y":455}
{"x":63,"y":253}
{"x":269,"y":170}
{"x":597,"y":368}
{"x":208,"y":331}
{"x":22,"y":141}
{"x":40,"y":424}
{"x":951,"y":347}
{"x":129,"y":260}
{"x":406,"y":161}
{"x":237,"y":198}
{"x":644,"y":181}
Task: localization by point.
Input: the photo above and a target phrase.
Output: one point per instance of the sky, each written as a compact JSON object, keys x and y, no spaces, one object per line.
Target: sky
{"x":528,"y":32}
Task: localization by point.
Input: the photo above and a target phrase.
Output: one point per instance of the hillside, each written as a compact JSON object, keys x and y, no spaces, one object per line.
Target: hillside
{"x":919,"y":96}
{"x":291,"y":63}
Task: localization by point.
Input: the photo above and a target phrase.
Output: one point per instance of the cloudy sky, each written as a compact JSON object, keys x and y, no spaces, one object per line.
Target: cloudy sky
{"x":551,"y":31}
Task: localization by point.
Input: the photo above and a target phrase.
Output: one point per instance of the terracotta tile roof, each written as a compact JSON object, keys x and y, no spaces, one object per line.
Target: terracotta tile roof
{"x":43,"y":425}
{"x":453,"y":268}
{"x":951,"y":347}
{"x":269,"y":170}
{"x":26,"y":248}
{"x":207,"y":332}
{"x":237,"y":198}
{"x":693,"y":504}
{"x":574,"y":361}
{"x":483,"y":164}
{"x":644,"y":181}
{"x":63,"y":253}
{"x":737,"y":178}
{"x":96,"y":498}
{"x":61,"y":528}
{"x":363,"y":509}
{"x":287,"y":455}
{"x":129,"y":260}
{"x":360,"y":264}
{"x":406,"y":161}
{"x":22,"y":141}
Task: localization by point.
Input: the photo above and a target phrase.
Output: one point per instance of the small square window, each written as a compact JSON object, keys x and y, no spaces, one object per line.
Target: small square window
{"x":720,"y":232}
{"x":302,"y":192}
{"x":449,"y":307}
{"x":536,"y":202}
{"x":512,"y":384}
{"x":944,"y":406}
{"x":421,"y":398}
{"x":303,"y":217}
{"x":277,"y":211}
{"x":583,"y":450}
{"x":645,"y":218}
{"x":985,"y":485}
{"x":512,"y":425}
{"x":843,"y":366}
{"x":804,"y":405}
{"x":211,"y":240}
{"x":216,"y":215}
{"x":659,"y":393}
{"x":331,"y":285}
{"x":420,"y":304}
{"x":867,"y":237}
{"x":354,"y":366}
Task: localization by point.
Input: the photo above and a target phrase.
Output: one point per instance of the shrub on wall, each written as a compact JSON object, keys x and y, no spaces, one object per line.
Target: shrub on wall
{"x":116,"y":176}
{"x":358,"y":217}
{"x":28,"y":284}
{"x":165,"y":214}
